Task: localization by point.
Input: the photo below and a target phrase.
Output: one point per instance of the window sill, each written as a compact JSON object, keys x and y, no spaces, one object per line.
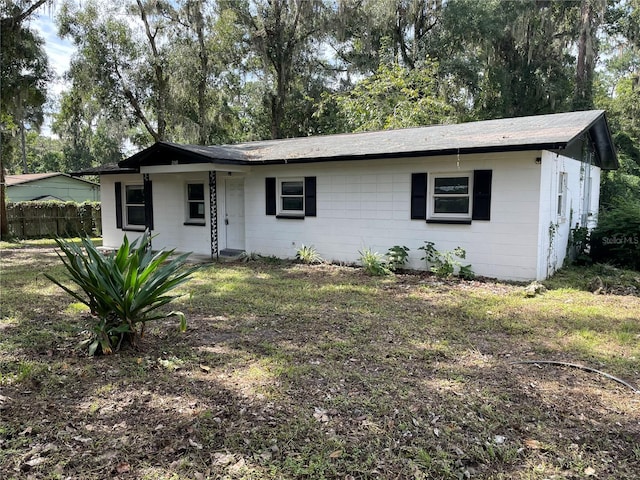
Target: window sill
{"x":133,"y":229}
{"x":291,"y":217}
{"x":195,"y":223}
{"x":450,"y":221}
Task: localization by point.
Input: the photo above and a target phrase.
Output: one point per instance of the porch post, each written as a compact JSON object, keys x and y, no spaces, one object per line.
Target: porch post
{"x":213,"y":212}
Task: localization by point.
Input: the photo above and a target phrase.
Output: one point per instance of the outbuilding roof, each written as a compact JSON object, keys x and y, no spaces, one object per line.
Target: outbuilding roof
{"x":11,"y":180}
{"x":555,"y":132}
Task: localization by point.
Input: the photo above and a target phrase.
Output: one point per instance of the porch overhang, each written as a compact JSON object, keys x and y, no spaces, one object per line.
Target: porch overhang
{"x":194,"y":167}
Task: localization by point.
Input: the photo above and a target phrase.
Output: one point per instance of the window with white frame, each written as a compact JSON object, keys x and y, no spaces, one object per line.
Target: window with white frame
{"x":450,"y":196}
{"x":291,"y":196}
{"x":562,"y":195}
{"x":134,"y":205}
{"x":195,"y":203}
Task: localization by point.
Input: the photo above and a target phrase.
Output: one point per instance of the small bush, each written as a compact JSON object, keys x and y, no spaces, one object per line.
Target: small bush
{"x":578,"y":246}
{"x":373,"y":263}
{"x":308,"y":254}
{"x":123,"y":289}
{"x":616,"y":239}
{"x":444,"y":264}
{"x":397,"y":257}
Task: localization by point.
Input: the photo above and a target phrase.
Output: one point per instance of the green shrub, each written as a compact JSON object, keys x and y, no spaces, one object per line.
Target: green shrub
{"x":124,"y":289}
{"x":578,"y":246}
{"x":444,"y":264}
{"x":616,"y":239}
{"x":373,"y":263}
{"x":397,"y":257}
{"x":308,"y":254}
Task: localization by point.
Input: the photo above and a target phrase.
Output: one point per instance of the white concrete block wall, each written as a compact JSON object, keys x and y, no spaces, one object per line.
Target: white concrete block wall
{"x":594,"y":206}
{"x":554,"y":230}
{"x":112,"y":236}
{"x":366,"y":204}
{"x":357,"y":210}
{"x":169,"y":212}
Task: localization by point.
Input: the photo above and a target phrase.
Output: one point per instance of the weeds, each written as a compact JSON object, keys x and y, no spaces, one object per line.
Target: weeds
{"x":397,"y":257}
{"x":308,"y":255}
{"x":373,"y":263}
{"x":445,"y":264}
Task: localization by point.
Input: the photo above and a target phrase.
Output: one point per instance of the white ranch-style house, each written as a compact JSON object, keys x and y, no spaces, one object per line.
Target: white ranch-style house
{"x":507,"y":191}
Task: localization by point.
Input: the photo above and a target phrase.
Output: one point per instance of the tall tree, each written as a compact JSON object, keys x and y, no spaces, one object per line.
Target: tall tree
{"x":592,"y":13}
{"x":619,"y":94}
{"x":89,"y":135}
{"x":505,"y":58}
{"x":368,"y":32}
{"x":24,"y":72}
{"x":394,"y":97}
{"x":205,"y":44}
{"x":123,"y":68}
{"x":285,"y":40}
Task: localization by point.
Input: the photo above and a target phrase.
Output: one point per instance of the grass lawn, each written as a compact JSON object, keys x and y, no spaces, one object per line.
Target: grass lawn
{"x":290,"y":371}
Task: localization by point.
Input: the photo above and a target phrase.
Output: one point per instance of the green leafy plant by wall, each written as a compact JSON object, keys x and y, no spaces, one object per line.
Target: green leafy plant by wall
{"x":308,"y":254}
{"x":446,"y":264}
{"x":578,"y":246}
{"x":373,"y":263}
{"x":397,"y":257}
{"x":123,"y":289}
{"x":616,"y":239}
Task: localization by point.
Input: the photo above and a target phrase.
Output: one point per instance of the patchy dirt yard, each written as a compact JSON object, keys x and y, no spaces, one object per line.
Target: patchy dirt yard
{"x":290,"y":371}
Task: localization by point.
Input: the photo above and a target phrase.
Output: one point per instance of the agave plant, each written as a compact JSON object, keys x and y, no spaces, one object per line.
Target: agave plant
{"x":123,"y":289}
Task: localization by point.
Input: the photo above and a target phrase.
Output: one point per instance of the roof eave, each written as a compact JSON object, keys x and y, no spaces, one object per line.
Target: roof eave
{"x":188,"y":157}
{"x":418,"y":153}
{"x":163,"y":153}
{"x":110,"y":169}
{"x":602,"y":140}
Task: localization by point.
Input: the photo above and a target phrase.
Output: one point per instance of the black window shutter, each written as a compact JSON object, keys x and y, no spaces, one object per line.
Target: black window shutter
{"x":418,"y":196}
{"x":148,"y":203}
{"x":270,"y":200}
{"x":310,"y":196}
{"x":481,"y":195}
{"x":118,"y":186}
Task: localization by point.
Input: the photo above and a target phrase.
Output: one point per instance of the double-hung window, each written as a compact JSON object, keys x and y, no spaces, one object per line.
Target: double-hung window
{"x":134,"y":206}
{"x":291,"y":196}
{"x":195,"y":203}
{"x":451,"y":196}
{"x":562,"y":195}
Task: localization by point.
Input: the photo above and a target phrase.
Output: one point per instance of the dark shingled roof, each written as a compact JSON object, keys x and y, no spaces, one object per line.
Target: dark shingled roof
{"x":109,"y":168}
{"x":542,"y":132}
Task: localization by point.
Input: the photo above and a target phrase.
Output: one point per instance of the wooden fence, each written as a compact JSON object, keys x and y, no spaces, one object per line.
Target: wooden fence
{"x":53,"y":219}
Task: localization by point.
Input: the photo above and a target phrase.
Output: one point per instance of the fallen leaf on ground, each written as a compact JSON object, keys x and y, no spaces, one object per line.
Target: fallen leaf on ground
{"x":532,"y":444}
{"x":336,"y":454}
{"x":123,"y":468}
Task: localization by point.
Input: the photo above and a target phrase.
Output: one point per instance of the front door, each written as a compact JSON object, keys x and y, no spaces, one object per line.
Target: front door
{"x":234,"y":213}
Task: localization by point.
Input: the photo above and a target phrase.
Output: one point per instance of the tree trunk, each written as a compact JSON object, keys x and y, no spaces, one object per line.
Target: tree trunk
{"x":161,"y":78}
{"x":23,"y":148}
{"x":4,"y":225}
{"x":203,"y":131}
{"x":587,"y":47}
